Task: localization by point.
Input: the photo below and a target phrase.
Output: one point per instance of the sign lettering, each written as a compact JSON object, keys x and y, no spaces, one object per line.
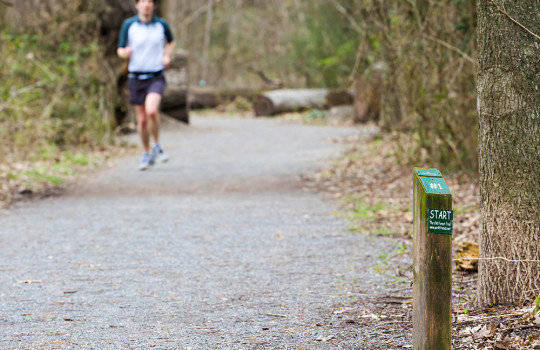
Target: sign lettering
{"x":440,"y":221}
{"x":435,"y":185}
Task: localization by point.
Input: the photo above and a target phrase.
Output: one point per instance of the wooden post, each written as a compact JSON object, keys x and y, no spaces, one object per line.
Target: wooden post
{"x":432,"y":261}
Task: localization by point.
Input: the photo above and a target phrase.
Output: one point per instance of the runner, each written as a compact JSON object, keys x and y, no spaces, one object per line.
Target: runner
{"x":147,"y":41}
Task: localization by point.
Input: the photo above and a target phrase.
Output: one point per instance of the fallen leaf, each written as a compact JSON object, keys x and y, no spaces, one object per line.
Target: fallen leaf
{"x":373,"y":316}
{"x":492,"y":329}
{"x":337,"y":312}
{"x":465,"y":331}
{"x":325,"y":338}
{"x":484,"y":332}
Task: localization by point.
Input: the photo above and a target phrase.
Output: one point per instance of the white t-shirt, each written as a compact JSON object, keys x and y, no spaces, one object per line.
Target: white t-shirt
{"x":147,"y":40}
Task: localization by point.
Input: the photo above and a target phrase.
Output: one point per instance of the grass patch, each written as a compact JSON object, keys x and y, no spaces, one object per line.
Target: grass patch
{"x":40,"y":175}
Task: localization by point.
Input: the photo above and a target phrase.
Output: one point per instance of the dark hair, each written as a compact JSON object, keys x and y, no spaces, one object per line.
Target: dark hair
{"x":155,"y":1}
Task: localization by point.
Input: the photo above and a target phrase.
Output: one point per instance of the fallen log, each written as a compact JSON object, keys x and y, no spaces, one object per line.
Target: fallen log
{"x":208,"y":97}
{"x":336,"y":98}
{"x":291,"y":100}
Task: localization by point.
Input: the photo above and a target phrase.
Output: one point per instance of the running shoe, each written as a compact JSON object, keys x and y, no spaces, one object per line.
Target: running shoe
{"x":146,"y":161}
{"x":159,"y":154}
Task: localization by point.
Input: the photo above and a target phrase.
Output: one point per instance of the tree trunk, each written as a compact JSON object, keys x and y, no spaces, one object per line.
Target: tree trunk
{"x":509,"y":157}
{"x":175,"y":99}
{"x":207,"y":37}
{"x":290,"y":100}
{"x":112,"y":17}
{"x":368,"y":97}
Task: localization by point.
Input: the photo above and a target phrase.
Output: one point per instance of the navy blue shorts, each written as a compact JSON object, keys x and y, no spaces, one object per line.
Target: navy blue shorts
{"x":138,"y":89}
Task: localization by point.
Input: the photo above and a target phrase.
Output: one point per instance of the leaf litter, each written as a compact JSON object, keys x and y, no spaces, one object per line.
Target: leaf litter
{"x":375,"y":189}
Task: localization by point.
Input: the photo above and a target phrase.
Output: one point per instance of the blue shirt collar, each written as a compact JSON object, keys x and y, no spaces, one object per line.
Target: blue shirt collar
{"x":151,"y":21}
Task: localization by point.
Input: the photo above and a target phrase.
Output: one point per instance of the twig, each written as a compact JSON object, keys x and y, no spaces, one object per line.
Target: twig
{"x":461,"y":287}
{"x":451,"y":47}
{"x":275,"y":315}
{"x":421,"y":25}
{"x":393,"y":322}
{"x":48,"y":110}
{"x":521,"y":327}
{"x":344,"y":12}
{"x":532,"y":291}
{"x":356,"y":65}
{"x":503,"y":10}
{"x":196,"y":14}
{"x":44,"y":69}
{"x":490,"y":317}
{"x":472,"y":335}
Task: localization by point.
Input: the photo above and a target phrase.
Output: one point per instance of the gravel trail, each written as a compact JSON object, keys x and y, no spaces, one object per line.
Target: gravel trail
{"x":221,"y":248}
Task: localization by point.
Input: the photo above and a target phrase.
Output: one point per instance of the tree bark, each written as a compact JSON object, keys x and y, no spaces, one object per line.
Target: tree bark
{"x":509,"y":157}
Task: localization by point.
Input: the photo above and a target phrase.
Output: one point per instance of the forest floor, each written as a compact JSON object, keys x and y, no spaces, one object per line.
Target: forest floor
{"x":374,"y":186}
{"x":374,"y":191}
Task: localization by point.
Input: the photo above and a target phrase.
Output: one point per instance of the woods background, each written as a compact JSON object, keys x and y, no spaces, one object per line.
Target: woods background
{"x":419,"y":56}
{"x":416,"y":61}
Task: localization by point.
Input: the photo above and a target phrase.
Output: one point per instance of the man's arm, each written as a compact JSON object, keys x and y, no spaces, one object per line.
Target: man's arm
{"x":124,"y":51}
{"x":167,"y":55}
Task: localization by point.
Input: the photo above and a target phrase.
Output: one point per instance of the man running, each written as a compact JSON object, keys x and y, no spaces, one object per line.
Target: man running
{"x":147,"y":41}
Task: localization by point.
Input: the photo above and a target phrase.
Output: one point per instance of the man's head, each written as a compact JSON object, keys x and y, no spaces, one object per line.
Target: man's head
{"x":145,"y":8}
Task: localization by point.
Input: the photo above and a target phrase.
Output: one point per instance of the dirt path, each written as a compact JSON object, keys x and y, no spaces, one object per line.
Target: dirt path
{"x":222,"y":248}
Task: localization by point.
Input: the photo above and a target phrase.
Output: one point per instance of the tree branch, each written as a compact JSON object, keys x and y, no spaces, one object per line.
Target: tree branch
{"x":193,"y":16}
{"x":453,"y":48}
{"x":347,"y":15}
{"x":503,"y":10}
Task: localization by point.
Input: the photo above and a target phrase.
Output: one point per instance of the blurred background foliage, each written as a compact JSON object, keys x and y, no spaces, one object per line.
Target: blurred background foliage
{"x":57,"y":94}
{"x":423,"y":51}
{"x":58,"y":86}
{"x":54,"y":89}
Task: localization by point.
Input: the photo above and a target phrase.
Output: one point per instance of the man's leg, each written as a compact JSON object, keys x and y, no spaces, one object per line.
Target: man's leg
{"x":143,"y":127}
{"x":151,"y":105}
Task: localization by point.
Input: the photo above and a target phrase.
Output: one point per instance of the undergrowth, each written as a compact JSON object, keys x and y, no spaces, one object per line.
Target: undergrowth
{"x":55,"y":100}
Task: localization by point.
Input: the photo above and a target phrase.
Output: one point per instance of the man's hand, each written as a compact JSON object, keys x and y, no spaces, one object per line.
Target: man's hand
{"x":166,"y":61}
{"x":169,"y":48}
{"x":124,"y":52}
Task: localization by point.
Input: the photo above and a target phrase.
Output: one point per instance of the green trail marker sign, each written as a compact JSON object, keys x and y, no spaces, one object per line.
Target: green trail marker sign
{"x":435,"y":185}
{"x":432,"y":261}
{"x":440,"y":221}
{"x":428,"y":172}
